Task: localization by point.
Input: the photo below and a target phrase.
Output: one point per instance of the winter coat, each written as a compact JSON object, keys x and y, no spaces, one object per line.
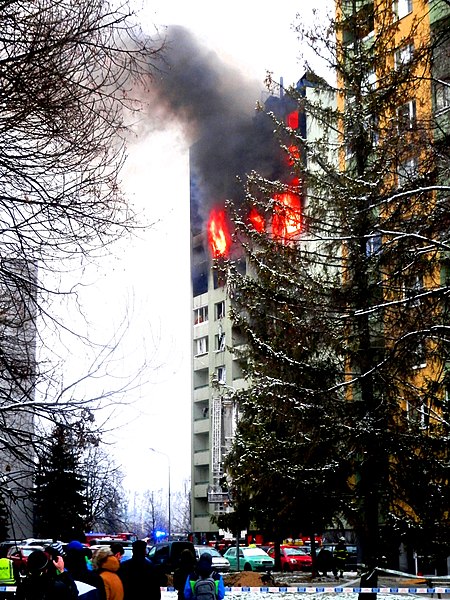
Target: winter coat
{"x":340,"y":554}
{"x":113,"y":583}
{"x":192,"y":578}
{"x":75,"y":563}
{"x":185,"y":567}
{"x":43,"y":586}
{"x":142,"y":580}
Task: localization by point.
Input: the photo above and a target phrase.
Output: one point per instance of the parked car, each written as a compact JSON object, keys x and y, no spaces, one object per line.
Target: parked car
{"x":293,"y":558}
{"x":219,"y":562}
{"x":167,"y":554}
{"x":250,"y":559}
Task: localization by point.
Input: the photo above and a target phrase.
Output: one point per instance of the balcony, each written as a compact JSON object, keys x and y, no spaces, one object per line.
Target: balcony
{"x":201,"y":425}
{"x":201,"y":457}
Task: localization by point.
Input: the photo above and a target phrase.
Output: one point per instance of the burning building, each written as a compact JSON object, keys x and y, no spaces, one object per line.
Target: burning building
{"x":216,"y":372}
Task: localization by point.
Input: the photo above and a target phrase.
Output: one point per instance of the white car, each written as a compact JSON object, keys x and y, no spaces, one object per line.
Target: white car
{"x":219,"y":563}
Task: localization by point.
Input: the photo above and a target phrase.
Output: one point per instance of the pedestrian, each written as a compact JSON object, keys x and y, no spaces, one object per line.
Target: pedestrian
{"x":46,"y":579}
{"x":8,"y":573}
{"x":185,"y":567}
{"x":142,"y":580}
{"x":340,"y":556}
{"x":107,"y":566}
{"x":204,"y":583}
{"x":117,"y":549}
{"x":325,"y":562}
{"x":76,"y":565}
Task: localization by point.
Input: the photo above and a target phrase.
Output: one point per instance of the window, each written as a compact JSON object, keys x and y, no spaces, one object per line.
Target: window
{"x":200,"y":315}
{"x":442,"y":95}
{"x":373,"y":245}
{"x":419,"y":356}
{"x":220,"y":341}
{"x":406,"y":116}
{"x":402,"y":8}
{"x":220,"y":310}
{"x":418,"y":414}
{"x":403,"y":55}
{"x":407,"y":171}
{"x":369,"y":82}
{"x":201,"y":346}
{"x":221,"y":375}
{"x":412,"y":288}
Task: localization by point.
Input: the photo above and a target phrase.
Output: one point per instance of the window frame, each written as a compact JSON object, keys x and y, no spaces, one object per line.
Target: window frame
{"x":198,"y":345}
{"x":402,"y":8}
{"x":201,"y":314}
{"x":407,"y":116}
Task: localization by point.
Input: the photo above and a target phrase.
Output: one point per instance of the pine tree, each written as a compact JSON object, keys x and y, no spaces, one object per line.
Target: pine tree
{"x":60,"y":507}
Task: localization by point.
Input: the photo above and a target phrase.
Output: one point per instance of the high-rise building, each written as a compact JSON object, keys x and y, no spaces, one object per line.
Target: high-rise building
{"x":17,"y":392}
{"x":216,"y":370}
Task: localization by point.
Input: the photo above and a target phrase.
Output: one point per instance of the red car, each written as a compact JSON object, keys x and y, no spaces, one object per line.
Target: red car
{"x":293,"y":558}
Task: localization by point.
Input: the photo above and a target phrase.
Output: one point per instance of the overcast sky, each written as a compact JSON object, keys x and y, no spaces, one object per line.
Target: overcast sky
{"x":150,"y":278}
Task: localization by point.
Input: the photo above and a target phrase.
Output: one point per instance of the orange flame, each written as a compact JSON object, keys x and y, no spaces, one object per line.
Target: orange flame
{"x":257,"y":220}
{"x":218,"y":234}
{"x":287,"y":218}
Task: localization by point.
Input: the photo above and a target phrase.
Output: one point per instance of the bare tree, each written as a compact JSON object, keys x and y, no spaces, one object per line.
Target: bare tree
{"x":69,"y":70}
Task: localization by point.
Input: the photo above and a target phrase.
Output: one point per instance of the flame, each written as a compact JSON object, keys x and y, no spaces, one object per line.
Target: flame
{"x":292,"y":120}
{"x":218,"y":233}
{"x":287,"y":218}
{"x":257,"y":220}
{"x":294,"y":154}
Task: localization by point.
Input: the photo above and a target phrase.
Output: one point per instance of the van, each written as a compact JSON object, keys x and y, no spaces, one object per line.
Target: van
{"x":167,"y":554}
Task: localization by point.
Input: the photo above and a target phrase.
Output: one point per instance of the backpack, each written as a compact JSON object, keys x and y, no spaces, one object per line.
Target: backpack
{"x":205,"y":589}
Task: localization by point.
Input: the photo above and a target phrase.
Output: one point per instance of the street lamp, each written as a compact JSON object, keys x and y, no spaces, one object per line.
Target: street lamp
{"x":168,"y":465}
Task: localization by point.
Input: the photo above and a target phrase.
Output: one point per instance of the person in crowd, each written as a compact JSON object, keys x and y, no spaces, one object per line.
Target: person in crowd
{"x":107,"y":565}
{"x":76,"y":565}
{"x":142,"y":580}
{"x":185,"y":567}
{"x":46,"y":579}
{"x":8,"y":573}
{"x":196,"y":587}
{"x":117,"y":550}
{"x":325,"y":562}
{"x":340,"y":556}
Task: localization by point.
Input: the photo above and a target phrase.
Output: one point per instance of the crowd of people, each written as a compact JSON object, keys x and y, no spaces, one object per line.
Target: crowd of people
{"x":56,"y":574}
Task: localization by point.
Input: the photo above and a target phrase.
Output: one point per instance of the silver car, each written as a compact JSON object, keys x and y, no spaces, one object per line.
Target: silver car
{"x":219,"y":563}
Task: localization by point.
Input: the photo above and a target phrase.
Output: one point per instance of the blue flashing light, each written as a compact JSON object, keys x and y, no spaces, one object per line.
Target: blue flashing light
{"x":159,"y":533}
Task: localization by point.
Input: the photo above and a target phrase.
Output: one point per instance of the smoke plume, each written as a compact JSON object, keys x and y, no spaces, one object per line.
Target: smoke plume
{"x":215,"y":104}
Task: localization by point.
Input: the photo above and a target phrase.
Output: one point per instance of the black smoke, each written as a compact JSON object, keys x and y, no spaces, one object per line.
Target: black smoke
{"x":216,"y":105}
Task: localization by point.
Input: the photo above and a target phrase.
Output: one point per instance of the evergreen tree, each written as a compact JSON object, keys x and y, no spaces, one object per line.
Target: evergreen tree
{"x":346,"y":320}
{"x":60,"y":506}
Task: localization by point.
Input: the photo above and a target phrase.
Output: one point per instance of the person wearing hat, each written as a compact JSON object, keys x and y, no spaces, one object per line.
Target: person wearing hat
{"x":204,"y":576}
{"x":340,"y":556}
{"x":76,"y":564}
{"x":46,"y":578}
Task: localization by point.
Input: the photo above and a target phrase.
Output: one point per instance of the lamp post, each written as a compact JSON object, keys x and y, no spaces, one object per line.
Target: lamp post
{"x":168,"y":465}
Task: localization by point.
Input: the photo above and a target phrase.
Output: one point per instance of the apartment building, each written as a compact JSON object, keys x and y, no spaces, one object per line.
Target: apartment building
{"x":216,"y":371}
{"x":17,"y":389}
{"x":392,"y":101}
